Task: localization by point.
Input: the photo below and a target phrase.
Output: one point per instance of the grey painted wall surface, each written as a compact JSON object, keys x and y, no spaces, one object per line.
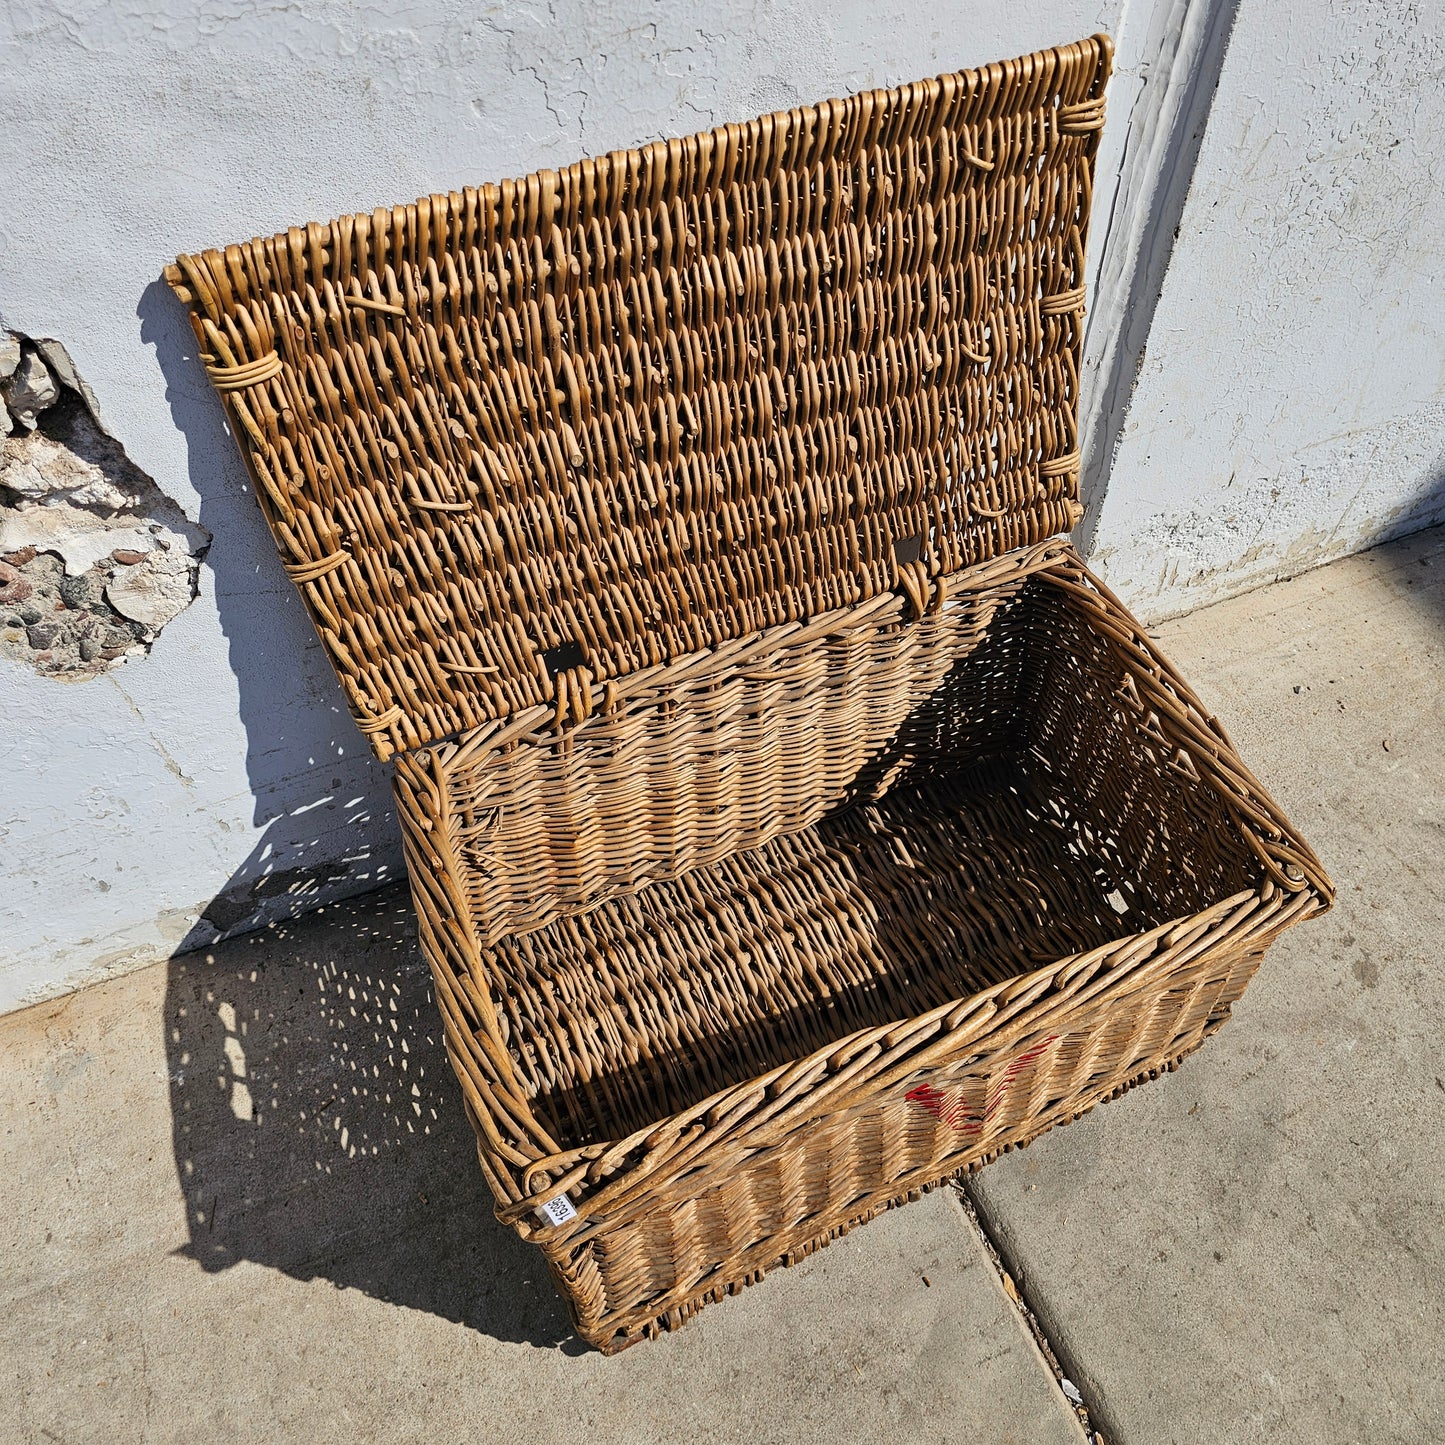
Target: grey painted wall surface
{"x":1290,"y":407}
{"x":218,"y":780}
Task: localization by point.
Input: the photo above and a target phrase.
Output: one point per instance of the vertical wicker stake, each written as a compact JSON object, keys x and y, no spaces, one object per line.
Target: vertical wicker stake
{"x":794,"y":823}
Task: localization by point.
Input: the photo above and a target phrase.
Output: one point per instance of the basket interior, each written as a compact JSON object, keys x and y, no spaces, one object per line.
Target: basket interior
{"x":1032,"y":811}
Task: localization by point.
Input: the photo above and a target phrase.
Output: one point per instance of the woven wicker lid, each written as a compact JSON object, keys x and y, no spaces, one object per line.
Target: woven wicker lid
{"x":518,"y":441}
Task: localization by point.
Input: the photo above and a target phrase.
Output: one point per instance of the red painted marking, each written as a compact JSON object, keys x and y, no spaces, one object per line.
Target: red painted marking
{"x":951,"y":1107}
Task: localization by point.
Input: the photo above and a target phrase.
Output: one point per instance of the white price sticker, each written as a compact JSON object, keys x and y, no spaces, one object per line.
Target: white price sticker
{"x":556,"y":1211}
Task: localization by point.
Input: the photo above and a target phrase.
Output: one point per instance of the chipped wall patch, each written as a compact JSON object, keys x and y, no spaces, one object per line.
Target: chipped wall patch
{"x":94,"y":558}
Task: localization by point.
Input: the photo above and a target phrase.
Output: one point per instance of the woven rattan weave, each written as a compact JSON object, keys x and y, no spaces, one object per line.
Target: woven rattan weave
{"x":652,"y":402}
{"x":793,"y":821}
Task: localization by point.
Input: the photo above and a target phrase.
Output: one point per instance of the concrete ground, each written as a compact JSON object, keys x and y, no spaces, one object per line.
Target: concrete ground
{"x":1254,"y":1248}
{"x":242,"y":1204}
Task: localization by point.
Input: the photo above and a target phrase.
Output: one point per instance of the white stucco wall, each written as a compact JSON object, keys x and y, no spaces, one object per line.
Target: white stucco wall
{"x":1287,"y":408}
{"x":133,"y":129}
{"x":1291,"y":403}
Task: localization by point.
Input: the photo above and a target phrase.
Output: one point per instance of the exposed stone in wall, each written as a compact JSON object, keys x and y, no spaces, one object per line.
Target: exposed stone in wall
{"x":94,"y":558}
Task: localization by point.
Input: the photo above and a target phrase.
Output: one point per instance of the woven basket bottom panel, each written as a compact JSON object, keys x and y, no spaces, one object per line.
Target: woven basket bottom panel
{"x":877,"y":914}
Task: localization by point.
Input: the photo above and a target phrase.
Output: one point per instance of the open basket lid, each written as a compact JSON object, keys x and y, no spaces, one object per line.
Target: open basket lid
{"x":518,"y":441}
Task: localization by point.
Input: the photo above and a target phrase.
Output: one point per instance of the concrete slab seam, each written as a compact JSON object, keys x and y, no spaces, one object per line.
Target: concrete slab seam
{"x":1084,"y":1400}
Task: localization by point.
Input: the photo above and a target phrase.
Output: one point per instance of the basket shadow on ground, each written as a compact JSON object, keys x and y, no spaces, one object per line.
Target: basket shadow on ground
{"x":318,"y":1128}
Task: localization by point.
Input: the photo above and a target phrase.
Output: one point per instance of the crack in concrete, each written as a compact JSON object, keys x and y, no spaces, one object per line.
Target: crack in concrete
{"x":1088,"y":1406}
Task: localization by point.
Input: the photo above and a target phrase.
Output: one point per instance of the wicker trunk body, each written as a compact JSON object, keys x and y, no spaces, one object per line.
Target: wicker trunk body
{"x":793,"y":821}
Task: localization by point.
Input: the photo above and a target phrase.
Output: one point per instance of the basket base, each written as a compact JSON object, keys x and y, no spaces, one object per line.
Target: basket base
{"x":678,"y":1315}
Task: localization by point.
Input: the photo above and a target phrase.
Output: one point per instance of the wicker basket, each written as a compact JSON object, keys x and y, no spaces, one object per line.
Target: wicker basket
{"x":793,"y":821}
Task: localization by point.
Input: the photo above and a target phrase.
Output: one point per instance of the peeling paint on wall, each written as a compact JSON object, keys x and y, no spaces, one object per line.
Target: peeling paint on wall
{"x":94,"y":558}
